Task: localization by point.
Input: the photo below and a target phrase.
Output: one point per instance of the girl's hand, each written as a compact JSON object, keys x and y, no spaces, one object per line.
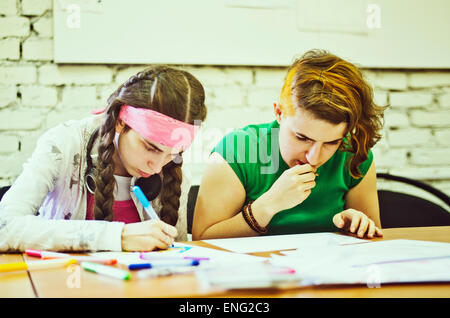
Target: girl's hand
{"x":147,"y":236}
{"x":356,"y":222}
{"x":291,"y":188}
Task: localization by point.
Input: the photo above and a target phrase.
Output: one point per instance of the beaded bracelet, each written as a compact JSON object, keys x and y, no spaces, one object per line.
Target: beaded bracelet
{"x":250,"y":219}
{"x":247,"y":218}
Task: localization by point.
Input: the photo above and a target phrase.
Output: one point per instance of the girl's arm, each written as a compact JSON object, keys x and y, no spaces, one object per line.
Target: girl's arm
{"x":222,"y":195}
{"x":220,"y":198}
{"x":362,"y":214}
{"x":364,"y":197}
{"x":21,"y":228}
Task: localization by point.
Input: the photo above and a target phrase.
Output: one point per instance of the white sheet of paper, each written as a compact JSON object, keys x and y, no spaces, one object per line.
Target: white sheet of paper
{"x":282,"y":242}
{"x":393,"y":261}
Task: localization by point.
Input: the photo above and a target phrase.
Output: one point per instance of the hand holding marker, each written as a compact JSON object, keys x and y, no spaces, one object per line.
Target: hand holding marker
{"x":148,"y":207}
{"x":121,"y":274}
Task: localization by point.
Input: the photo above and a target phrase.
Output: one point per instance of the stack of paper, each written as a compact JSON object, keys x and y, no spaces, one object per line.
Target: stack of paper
{"x":234,"y":273}
{"x":319,"y":258}
{"x":374,"y":263}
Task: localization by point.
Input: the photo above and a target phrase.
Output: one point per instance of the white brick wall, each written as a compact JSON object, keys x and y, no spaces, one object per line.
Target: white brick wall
{"x":14,"y":26}
{"x":444,"y":100}
{"x":51,"y":74}
{"x":409,"y":137}
{"x":79,"y":96}
{"x":44,"y":27}
{"x":20,"y":120}
{"x":391,"y":81}
{"x":36,"y":94}
{"x":36,"y":7}
{"x":442,"y":137}
{"x":20,"y":74}
{"x":8,"y":95}
{"x":37,"y":49}
{"x":431,"y":156}
{"x":396,"y":119}
{"x":8,"y":144}
{"x":8,"y":7}
{"x":41,"y":96}
{"x":410,"y":99}
{"x":429,"y":79}
{"x":10,"y":49}
{"x":435,"y":118}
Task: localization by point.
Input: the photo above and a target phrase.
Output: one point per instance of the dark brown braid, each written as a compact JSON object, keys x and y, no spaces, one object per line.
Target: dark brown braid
{"x":177,"y":94}
{"x":104,"y":178}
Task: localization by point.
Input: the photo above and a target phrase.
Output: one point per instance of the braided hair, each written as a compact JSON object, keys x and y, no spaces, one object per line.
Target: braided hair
{"x":172,"y":92}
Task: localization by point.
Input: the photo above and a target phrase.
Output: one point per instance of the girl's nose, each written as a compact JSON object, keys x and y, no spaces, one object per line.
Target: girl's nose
{"x":313,"y":154}
{"x":156,"y":164}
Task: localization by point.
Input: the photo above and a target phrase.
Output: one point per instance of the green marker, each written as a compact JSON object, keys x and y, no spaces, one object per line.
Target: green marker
{"x":106,"y":270}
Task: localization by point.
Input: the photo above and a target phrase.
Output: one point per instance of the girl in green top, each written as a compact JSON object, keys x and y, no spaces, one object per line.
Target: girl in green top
{"x":311,"y":170}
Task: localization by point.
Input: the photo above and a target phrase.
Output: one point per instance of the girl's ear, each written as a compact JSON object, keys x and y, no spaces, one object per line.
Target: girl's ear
{"x":278,"y":112}
{"x":120,"y":124}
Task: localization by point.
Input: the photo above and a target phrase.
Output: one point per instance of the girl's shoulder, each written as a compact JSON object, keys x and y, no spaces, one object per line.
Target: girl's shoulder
{"x":72,"y":131}
{"x":77,"y":125}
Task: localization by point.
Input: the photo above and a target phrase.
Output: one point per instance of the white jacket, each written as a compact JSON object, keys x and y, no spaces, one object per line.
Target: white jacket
{"x":52,"y":183}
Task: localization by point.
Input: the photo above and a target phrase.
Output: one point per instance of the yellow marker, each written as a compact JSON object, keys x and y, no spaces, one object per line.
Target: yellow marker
{"x":23,"y":266}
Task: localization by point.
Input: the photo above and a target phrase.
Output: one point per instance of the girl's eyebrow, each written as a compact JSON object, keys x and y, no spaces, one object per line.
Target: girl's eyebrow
{"x":148,"y":143}
{"x":327,"y":142}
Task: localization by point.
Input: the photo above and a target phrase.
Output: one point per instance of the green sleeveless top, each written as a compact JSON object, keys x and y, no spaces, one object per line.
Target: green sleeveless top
{"x":254,"y":155}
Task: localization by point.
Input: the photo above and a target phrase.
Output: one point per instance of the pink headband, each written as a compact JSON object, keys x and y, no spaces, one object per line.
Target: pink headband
{"x":158,"y":127}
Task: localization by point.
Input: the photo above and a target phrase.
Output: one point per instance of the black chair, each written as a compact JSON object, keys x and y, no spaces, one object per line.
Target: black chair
{"x":3,"y":190}
{"x":192,"y":199}
{"x":406,"y":210}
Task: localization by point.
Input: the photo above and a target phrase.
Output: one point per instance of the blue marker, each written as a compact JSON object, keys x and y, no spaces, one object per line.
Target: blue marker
{"x":168,"y":263}
{"x":145,"y":203}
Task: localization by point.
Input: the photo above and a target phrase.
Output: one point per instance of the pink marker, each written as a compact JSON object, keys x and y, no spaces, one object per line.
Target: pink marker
{"x":34,"y":253}
{"x":54,"y":255}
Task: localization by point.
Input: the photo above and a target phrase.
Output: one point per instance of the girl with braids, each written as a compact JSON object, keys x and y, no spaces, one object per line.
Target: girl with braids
{"x":310,"y":170}
{"x":74,"y":192}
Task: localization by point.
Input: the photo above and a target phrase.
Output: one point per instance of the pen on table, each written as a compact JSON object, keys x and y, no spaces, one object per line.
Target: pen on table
{"x":145,"y":203}
{"x":54,"y":255}
{"x":106,"y":270}
{"x":22,"y":266}
{"x":156,"y":257}
{"x":159,"y":272}
{"x":164,"y":263}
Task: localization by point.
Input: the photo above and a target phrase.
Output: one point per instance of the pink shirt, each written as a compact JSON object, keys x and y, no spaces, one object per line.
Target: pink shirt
{"x":124,"y":211}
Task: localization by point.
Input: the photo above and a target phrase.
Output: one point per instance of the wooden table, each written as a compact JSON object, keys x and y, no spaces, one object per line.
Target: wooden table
{"x":75,"y":282}
{"x":15,"y":284}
